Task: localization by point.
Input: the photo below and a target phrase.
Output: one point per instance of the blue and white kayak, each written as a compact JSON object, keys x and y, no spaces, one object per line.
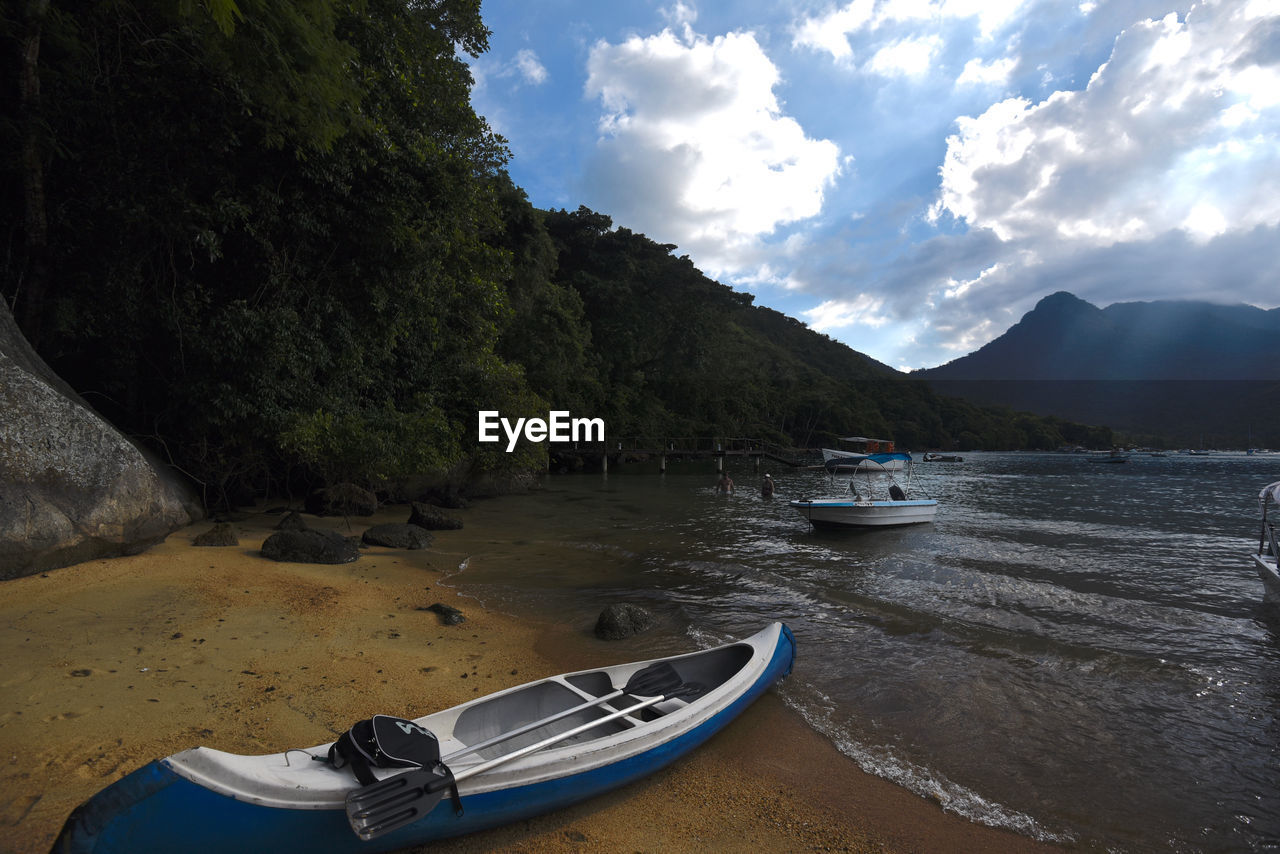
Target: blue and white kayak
{"x":597,"y":737}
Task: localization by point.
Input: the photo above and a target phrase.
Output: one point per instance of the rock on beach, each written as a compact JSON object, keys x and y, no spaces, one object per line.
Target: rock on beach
{"x":309,"y":547}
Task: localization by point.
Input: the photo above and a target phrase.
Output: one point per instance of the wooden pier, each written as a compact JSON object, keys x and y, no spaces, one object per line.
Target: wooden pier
{"x":689,"y":447}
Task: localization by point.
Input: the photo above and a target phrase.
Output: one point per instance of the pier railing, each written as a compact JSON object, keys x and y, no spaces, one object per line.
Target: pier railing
{"x":694,"y":446}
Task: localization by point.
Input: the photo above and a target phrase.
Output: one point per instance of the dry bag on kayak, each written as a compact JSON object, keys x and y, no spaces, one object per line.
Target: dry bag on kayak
{"x":384,"y":741}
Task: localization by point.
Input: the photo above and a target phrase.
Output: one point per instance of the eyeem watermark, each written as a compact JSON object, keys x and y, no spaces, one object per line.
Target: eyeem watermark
{"x":557,"y":427}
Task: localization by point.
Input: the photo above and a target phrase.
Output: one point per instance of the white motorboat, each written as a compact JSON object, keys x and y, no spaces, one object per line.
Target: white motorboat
{"x":1268,"y":549}
{"x":877,"y":505}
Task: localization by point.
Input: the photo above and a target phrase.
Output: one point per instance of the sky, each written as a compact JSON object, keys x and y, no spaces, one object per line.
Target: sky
{"x":909,"y":177}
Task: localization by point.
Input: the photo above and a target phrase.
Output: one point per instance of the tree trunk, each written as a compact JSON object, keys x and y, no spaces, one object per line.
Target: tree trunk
{"x":30,"y":297}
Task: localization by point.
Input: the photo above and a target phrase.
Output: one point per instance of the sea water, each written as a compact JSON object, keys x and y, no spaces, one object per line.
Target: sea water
{"x":1076,"y":651}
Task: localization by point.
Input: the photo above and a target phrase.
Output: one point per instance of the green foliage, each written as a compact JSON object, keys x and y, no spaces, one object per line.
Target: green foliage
{"x":373,"y":445}
{"x":269,"y":232}
{"x":282,"y":246}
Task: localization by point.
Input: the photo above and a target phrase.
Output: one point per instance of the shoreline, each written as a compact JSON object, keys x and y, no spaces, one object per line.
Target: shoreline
{"x":116,"y":662}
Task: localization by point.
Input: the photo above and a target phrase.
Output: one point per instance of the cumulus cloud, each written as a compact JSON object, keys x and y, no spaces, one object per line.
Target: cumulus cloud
{"x":531,"y":70}
{"x":877,"y":27}
{"x":979,"y":73}
{"x":863,"y":309}
{"x":695,"y":148}
{"x":524,"y":68}
{"x":1177,"y":130}
{"x":911,"y":57}
{"x":1159,"y":179}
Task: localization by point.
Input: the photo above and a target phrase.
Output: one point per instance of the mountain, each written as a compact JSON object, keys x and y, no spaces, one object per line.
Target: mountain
{"x":1182,"y":370}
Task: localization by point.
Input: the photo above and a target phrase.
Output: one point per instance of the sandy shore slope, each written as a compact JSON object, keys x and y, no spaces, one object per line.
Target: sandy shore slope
{"x":112,"y":663}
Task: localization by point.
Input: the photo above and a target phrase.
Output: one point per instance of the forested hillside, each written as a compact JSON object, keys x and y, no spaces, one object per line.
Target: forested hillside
{"x":274,"y":241}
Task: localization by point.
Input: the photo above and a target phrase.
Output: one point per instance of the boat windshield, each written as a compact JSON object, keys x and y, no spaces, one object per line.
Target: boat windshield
{"x":1267,"y":539}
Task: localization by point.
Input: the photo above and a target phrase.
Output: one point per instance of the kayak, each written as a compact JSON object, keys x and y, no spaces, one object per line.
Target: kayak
{"x":510,"y":755}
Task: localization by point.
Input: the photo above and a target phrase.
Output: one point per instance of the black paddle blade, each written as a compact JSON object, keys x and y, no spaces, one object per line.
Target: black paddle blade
{"x":392,"y":803}
{"x":655,"y":680}
{"x":688,"y":691}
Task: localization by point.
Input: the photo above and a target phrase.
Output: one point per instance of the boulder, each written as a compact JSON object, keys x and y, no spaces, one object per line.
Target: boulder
{"x":310,"y":547}
{"x":342,"y":499}
{"x":429,"y":517}
{"x":397,"y":536}
{"x":72,"y":487}
{"x":221,"y":534}
{"x":449,"y":615}
{"x":292,"y":521}
{"x":622,"y":621}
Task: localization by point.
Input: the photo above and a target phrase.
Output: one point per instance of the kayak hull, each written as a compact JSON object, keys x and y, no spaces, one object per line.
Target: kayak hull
{"x":199,"y":799}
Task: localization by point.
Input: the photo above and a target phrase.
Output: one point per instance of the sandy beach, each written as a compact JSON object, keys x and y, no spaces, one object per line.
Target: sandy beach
{"x":112,"y":663}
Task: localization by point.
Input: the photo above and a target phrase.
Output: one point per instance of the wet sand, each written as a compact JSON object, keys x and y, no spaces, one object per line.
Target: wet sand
{"x":112,"y":663}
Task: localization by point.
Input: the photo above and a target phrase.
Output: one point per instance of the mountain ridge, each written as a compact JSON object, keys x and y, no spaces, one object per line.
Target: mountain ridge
{"x":1186,"y":371}
{"x":1066,"y":338}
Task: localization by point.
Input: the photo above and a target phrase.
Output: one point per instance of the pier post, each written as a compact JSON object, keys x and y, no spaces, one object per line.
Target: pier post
{"x":662,"y":464}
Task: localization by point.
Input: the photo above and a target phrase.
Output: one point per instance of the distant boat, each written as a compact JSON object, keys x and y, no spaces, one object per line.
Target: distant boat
{"x":1113,"y":457}
{"x":878,"y":505}
{"x":1268,"y":549}
{"x":942,"y":458}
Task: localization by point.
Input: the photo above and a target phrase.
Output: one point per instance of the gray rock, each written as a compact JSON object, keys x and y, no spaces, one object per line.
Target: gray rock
{"x":622,"y":621}
{"x":310,"y":547}
{"x":449,"y":616}
{"x":429,"y":517}
{"x":221,"y":534}
{"x":72,"y":487}
{"x":292,"y":521}
{"x":398,"y":536}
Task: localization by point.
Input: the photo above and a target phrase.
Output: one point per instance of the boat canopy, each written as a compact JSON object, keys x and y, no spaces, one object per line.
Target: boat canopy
{"x":870,"y":461}
{"x":1271,"y":490}
{"x":873,"y":445}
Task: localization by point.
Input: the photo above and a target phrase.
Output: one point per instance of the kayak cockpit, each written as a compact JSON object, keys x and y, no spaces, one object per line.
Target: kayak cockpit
{"x":484,"y":720}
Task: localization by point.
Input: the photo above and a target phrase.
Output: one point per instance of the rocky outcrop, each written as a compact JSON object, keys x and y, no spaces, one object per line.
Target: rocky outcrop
{"x":394,"y":535}
{"x":449,"y":615}
{"x":221,"y":534}
{"x":310,"y":547}
{"x":425,"y":516}
{"x":72,"y":487}
{"x":622,"y":621}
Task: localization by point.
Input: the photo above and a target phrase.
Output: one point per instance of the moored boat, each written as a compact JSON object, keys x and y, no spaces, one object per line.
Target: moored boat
{"x":877,"y":505}
{"x":1268,"y":549}
{"x":942,"y":458}
{"x":866,"y":513}
{"x":513,"y":754}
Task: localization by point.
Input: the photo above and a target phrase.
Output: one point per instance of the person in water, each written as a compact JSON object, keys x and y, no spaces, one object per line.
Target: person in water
{"x":725,"y":483}
{"x":766,"y":488}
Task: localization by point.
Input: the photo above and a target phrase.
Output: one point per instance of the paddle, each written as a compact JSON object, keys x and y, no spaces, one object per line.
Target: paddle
{"x":658,"y":678}
{"x":405,"y":798}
